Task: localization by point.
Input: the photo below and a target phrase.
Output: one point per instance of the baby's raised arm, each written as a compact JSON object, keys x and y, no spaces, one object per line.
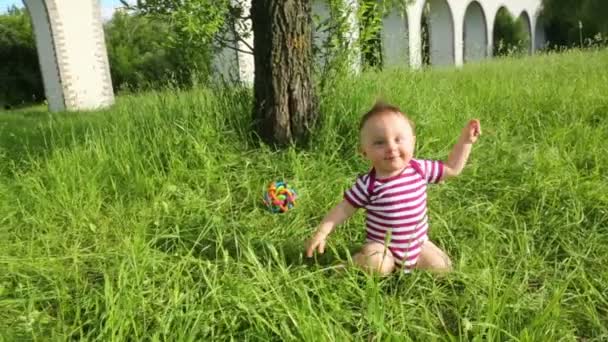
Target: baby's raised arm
{"x":340,"y":213}
{"x":460,"y":153}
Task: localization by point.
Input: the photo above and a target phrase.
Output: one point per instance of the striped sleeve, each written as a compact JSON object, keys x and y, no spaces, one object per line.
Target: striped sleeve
{"x":433,"y":170}
{"x":357,"y":195}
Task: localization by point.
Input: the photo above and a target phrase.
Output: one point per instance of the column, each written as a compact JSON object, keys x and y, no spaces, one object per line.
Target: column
{"x":72,"y":53}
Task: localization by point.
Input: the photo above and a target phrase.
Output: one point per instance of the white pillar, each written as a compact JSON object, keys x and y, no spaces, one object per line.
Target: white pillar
{"x":457,"y":13}
{"x":352,"y":35}
{"x":490,"y":18}
{"x":414,"y":10}
{"x":532,"y":35}
{"x":245,"y":29}
{"x":72,"y":53}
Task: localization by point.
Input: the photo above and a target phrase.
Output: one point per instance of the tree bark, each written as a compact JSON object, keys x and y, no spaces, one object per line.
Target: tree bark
{"x":285,"y":106}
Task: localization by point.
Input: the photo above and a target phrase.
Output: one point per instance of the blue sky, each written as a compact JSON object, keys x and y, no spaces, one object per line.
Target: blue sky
{"x":107,"y":6}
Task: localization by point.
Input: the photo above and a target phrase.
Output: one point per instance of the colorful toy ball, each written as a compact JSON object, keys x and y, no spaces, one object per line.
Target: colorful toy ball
{"x":279,"y":197}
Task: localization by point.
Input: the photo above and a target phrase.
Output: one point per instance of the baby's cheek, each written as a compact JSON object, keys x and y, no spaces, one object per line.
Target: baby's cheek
{"x":410,"y":150}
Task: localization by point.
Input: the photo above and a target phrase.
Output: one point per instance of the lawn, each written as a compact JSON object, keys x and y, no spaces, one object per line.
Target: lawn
{"x":145,"y":221}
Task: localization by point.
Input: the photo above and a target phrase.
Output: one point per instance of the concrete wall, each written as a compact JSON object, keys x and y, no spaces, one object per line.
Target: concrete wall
{"x":72,"y":53}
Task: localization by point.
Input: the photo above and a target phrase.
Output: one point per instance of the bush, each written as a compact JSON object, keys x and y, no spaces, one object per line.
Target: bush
{"x":139,"y":58}
{"x":19,"y":70}
{"x":575,"y":23}
{"x":510,"y":35}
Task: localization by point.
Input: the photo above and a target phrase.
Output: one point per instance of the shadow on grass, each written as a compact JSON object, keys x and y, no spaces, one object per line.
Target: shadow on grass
{"x":34,"y":133}
{"x":250,"y":251}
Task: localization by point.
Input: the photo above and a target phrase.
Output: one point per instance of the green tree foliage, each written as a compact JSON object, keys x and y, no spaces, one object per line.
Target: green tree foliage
{"x":140,"y":54}
{"x":196,"y":30}
{"x":370,"y":32}
{"x":575,"y":23}
{"x":195,"y":22}
{"x":510,"y":34}
{"x":20,"y":79}
{"x":369,"y":18}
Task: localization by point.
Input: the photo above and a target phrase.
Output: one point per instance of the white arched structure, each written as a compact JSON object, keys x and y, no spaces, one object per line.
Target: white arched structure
{"x":467,"y":15}
{"x":532,"y":9}
{"x":72,"y":53}
{"x":74,"y":62}
{"x":460,"y":30}
{"x":475,"y":35}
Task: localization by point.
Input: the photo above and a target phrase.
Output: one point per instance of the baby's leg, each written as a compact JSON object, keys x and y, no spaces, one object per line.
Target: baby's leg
{"x":433,"y":258}
{"x":375,"y":257}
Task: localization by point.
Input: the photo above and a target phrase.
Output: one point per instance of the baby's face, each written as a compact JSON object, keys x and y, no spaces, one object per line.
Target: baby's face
{"x":387,"y":141}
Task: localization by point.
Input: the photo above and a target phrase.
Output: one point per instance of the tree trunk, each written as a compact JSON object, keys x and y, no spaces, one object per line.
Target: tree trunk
{"x":285,"y":107}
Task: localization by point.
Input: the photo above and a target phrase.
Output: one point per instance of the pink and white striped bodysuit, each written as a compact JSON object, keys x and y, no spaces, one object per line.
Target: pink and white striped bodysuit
{"x":396,"y":208}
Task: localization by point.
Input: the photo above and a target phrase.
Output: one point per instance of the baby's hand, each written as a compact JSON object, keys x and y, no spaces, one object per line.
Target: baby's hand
{"x":316,"y":243}
{"x":471,"y":131}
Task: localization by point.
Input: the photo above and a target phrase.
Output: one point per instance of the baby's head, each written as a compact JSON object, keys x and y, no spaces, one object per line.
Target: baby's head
{"x":387,"y":139}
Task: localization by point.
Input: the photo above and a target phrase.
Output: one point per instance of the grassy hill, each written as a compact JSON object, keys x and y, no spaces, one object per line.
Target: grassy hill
{"x":145,"y":221}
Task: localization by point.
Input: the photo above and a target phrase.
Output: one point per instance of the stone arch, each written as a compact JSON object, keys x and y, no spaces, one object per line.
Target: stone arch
{"x":441,"y":32}
{"x":475,"y":35}
{"x":524,"y":21}
{"x":72,"y":54}
{"x":395,"y":39}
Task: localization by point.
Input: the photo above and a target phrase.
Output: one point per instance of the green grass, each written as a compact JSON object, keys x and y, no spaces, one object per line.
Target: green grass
{"x":144,"y":222}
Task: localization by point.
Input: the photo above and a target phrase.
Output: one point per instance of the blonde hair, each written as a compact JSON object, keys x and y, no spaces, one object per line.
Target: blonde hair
{"x":381,"y":107}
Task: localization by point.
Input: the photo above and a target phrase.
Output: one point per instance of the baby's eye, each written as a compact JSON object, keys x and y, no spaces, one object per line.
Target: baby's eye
{"x":398,"y":140}
{"x":378,"y":142}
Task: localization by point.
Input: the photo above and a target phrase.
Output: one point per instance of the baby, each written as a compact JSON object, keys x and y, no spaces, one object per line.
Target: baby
{"x":394,"y":195}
